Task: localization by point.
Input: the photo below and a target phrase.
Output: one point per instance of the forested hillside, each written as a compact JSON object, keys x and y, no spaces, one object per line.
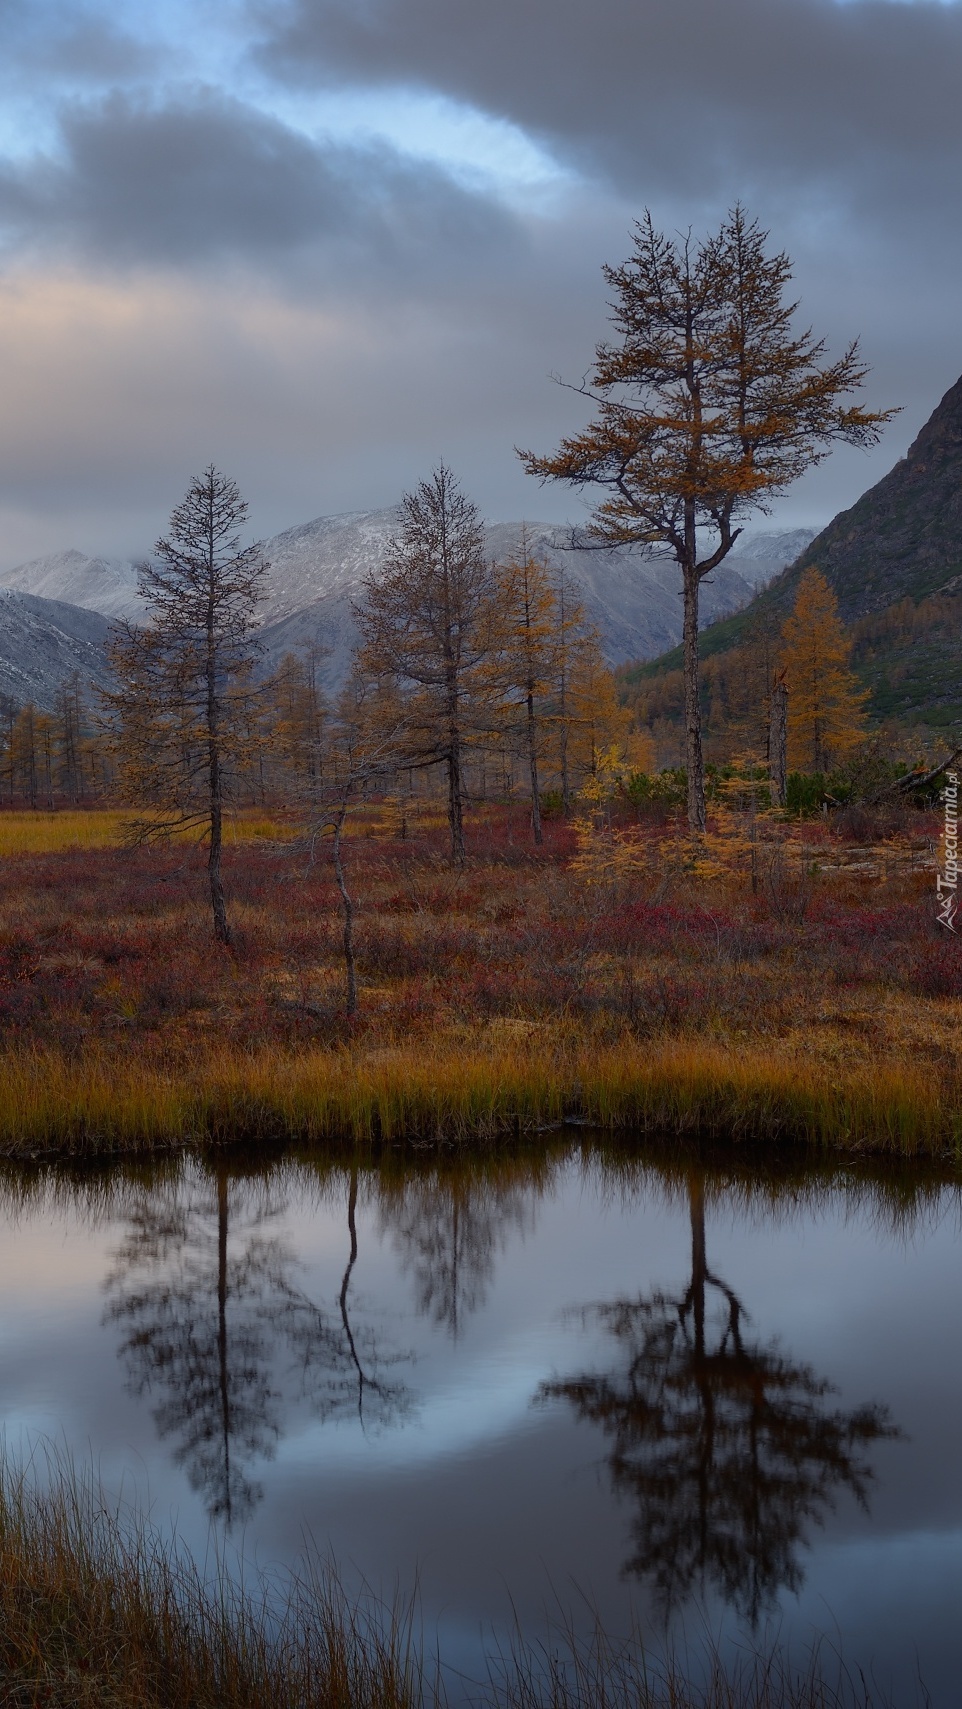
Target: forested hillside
{"x":894,"y":561}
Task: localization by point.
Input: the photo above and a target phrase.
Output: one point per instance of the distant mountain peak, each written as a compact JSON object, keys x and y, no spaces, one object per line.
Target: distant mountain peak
{"x":107,"y":585}
{"x":318,"y":568}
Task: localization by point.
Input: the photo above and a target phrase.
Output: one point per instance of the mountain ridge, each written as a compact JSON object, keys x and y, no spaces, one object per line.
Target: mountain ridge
{"x":44,"y":642}
{"x":318,"y":569}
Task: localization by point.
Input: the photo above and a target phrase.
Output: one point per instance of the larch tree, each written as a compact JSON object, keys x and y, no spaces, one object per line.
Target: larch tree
{"x":527,"y":621}
{"x":596,"y":720}
{"x":182,"y":715}
{"x":370,"y":733}
{"x":427,"y":625}
{"x":572,"y":634}
{"x":295,"y":712}
{"x":708,"y":405}
{"x":826,"y":718}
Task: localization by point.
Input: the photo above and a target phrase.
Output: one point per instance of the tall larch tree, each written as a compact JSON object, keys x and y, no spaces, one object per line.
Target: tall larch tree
{"x":826,"y":704}
{"x":182,"y":716}
{"x":708,"y":404}
{"x":571,"y":629}
{"x":527,"y":624}
{"x":428,"y":626}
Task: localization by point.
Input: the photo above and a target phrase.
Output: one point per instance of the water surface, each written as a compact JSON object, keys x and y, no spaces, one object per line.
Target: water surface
{"x":692,"y":1397}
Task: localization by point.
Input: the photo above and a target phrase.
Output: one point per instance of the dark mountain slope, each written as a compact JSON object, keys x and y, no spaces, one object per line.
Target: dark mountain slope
{"x":903,"y":538}
{"x":43,"y":642}
{"x":895,"y":562}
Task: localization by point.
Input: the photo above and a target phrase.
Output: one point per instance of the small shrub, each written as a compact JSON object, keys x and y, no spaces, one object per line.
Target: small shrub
{"x":552,"y":804}
{"x":805,"y":794}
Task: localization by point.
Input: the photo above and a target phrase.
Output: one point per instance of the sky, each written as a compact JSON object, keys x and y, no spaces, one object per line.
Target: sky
{"x":325,"y":243}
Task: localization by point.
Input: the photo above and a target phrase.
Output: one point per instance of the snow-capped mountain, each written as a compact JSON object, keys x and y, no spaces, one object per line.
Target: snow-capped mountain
{"x":43,"y":642}
{"x":107,"y":585}
{"x":317,"y":572}
{"x":761,"y":556}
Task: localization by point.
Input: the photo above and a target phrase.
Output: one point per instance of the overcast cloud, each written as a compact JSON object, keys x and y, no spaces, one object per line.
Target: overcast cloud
{"x":325,"y":243}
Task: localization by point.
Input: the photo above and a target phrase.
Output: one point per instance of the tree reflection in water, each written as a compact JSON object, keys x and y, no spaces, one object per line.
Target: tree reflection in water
{"x":728,"y":1451}
{"x":449,"y":1227}
{"x":207,"y":1301}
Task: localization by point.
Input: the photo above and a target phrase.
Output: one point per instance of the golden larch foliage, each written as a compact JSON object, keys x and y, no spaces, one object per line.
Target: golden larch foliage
{"x":826,"y":717}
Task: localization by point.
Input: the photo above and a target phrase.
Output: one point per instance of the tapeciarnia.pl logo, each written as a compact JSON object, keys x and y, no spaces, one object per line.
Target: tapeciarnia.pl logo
{"x":947,"y":881}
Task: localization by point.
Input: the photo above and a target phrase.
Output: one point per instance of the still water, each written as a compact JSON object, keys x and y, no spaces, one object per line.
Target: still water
{"x":690,"y":1396}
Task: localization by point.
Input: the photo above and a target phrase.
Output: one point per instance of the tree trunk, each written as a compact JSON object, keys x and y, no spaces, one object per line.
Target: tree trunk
{"x":455,"y":805}
{"x":218,"y":905}
{"x":533,"y":768}
{"x":693,"y":754}
{"x":699,"y":1262}
{"x":350,"y":969}
{"x":778,"y":743}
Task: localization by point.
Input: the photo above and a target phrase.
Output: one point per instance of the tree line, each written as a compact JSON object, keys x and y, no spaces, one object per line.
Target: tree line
{"x":788,"y":698}
{"x":464,"y":667}
{"x":504,"y":649}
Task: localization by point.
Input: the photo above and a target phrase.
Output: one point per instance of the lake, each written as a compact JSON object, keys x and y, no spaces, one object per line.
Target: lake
{"x":706,"y":1399}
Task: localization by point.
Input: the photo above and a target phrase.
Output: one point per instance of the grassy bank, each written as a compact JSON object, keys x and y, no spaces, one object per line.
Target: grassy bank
{"x":808,"y":997}
{"x":99,"y":1612}
{"x":452,"y":1092}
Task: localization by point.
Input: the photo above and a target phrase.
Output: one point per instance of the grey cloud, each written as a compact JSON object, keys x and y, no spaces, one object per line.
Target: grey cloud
{"x":837,"y":124}
{"x":381,"y":315}
{"x":208,"y":178}
{"x":69,"y":43}
{"x":678,"y":94}
{"x":92,"y":49}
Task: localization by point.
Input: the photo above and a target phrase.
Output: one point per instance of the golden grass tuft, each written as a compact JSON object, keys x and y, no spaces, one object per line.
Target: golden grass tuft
{"x":451,"y":1093}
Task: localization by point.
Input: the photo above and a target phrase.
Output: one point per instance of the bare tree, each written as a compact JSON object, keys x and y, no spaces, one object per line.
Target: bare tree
{"x":426,"y":626}
{"x":708,"y":404}
{"x":370,"y":738}
{"x":181,"y":715}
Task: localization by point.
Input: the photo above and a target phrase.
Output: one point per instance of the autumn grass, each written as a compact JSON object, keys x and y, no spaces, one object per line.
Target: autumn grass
{"x":51,"y":832}
{"x":54,"y":831}
{"x":449,"y":1094}
{"x":499,"y":1000}
{"x":98,"y":1611}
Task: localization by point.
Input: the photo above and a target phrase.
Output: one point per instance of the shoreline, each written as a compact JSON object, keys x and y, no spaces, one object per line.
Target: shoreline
{"x":92,"y":1105}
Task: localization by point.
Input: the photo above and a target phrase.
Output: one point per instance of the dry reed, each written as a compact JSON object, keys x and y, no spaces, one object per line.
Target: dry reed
{"x":98,"y":1611}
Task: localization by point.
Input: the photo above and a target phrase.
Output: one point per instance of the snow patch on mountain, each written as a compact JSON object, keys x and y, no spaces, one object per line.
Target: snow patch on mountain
{"x":317,"y":573}
{"x":107,"y":585}
{"x":43,"y":642}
